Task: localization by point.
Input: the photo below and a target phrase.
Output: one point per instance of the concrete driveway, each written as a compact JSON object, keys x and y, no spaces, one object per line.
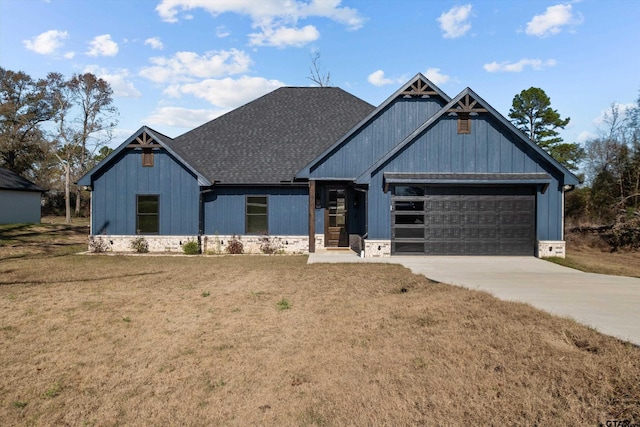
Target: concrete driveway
{"x":610,"y":304}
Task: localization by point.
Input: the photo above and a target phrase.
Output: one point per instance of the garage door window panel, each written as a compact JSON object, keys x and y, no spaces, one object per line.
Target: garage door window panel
{"x":409,"y":219}
{"x":410,"y":233}
{"x":402,"y":190}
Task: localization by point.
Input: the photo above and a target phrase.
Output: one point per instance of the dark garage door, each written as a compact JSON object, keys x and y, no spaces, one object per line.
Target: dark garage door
{"x":463,"y":220}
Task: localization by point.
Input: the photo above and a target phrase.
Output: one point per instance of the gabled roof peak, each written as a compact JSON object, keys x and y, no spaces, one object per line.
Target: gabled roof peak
{"x":145,"y":137}
{"x":467,"y":102}
{"x":420,"y":86}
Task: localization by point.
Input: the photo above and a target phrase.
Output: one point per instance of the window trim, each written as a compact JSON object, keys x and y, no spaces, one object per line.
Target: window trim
{"x":138,"y":214}
{"x":247,"y":214}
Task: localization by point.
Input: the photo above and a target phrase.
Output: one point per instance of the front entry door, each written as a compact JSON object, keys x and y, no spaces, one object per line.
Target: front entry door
{"x":335,"y":219}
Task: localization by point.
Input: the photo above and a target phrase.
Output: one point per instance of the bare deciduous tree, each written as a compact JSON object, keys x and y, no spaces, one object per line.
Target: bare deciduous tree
{"x":84,"y":122}
{"x":318,"y":76}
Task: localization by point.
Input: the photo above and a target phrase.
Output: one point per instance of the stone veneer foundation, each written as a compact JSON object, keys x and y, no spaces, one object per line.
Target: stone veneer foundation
{"x":209,"y":244}
{"x":217,"y":244}
{"x":252,"y":244}
{"x":377,"y":248}
{"x":551,"y":248}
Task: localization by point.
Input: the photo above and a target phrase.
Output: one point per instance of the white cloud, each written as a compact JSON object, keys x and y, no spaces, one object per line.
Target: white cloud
{"x":222,"y":32}
{"x":69,"y":55}
{"x":585,"y":136}
{"x":47,"y":42}
{"x":606,"y":115}
{"x":454,"y":23}
{"x":184,"y":66}
{"x":552,"y":21}
{"x":182,"y":117}
{"x":265,"y":10}
{"x":228,"y":92}
{"x":282,"y":36}
{"x":377,"y":78}
{"x":517,"y":67}
{"x":118,"y":80}
{"x":276,"y":20}
{"x":329,"y":9}
{"x":102,"y":46}
{"x":155,"y":43}
{"x":436,"y":77}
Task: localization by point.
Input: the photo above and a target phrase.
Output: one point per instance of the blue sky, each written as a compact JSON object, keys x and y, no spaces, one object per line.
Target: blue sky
{"x":175,"y":64}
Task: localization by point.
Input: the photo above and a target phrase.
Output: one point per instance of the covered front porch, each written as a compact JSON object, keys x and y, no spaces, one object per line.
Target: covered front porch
{"x":337,"y":216}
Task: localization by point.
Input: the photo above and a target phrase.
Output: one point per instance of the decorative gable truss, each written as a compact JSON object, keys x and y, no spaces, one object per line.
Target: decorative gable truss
{"x":419,"y":89}
{"x":145,"y":142}
{"x":464,"y":109}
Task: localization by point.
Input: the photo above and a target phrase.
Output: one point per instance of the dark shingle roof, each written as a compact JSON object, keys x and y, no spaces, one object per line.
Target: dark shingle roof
{"x":270,"y":139}
{"x":10,"y":180}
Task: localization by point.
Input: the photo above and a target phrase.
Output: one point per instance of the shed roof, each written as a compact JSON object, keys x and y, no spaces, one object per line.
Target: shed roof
{"x":268,"y":140}
{"x":10,"y":180}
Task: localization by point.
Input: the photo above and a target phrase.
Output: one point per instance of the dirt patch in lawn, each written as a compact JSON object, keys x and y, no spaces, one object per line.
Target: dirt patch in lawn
{"x":258,"y":340}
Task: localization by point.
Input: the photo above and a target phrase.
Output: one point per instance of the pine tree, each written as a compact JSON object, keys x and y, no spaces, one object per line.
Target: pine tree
{"x":531,"y":112}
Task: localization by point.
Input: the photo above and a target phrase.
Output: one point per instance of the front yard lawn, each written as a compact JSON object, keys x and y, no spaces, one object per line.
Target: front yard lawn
{"x":269,"y":340}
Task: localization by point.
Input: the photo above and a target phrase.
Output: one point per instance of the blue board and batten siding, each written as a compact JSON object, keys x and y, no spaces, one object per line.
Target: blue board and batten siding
{"x":490,"y":148}
{"x":116,"y":187}
{"x":288,"y":210}
{"x":401,"y":117}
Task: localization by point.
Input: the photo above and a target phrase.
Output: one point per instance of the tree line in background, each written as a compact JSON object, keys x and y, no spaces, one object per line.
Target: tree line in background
{"x":608,"y":203}
{"x":53,"y":130}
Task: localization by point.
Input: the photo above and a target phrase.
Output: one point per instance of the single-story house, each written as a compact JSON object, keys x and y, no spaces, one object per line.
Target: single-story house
{"x":20,"y":199}
{"x":316,"y":168}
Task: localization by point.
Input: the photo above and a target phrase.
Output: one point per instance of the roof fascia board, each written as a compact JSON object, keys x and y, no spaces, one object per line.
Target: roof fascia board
{"x":471,"y":178}
{"x":306,"y":171}
{"x":23,"y":190}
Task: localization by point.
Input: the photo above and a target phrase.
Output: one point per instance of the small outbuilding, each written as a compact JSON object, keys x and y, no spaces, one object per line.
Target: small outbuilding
{"x":318,"y":168}
{"x":20,"y":199}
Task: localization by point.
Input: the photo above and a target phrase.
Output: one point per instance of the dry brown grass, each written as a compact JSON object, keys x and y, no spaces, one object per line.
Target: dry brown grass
{"x":50,"y":238}
{"x":140,"y":340}
{"x":589,"y":253}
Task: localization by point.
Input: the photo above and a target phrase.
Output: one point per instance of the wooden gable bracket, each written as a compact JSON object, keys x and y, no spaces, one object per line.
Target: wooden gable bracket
{"x":418,"y":88}
{"x":465,"y":108}
{"x":147,"y":144}
{"x":142,"y":141}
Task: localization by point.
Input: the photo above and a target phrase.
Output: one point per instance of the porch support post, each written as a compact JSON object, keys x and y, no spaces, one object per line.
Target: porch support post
{"x":312,"y":216}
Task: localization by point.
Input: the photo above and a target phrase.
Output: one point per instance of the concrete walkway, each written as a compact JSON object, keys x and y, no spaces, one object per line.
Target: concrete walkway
{"x":610,"y":304}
